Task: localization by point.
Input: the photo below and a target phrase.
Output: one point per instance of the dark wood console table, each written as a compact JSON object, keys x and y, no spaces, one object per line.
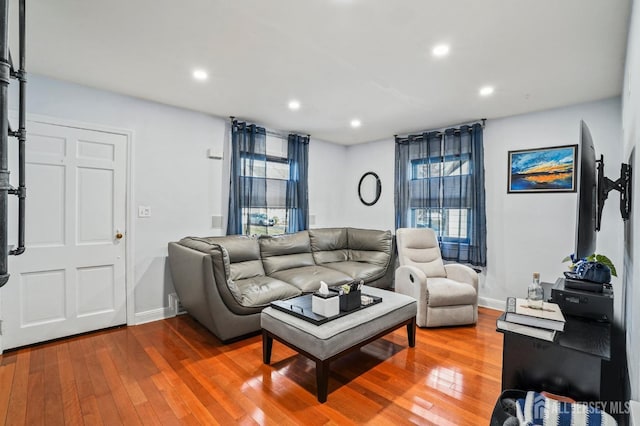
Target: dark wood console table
{"x":575,"y":365}
{"x":586,"y":362}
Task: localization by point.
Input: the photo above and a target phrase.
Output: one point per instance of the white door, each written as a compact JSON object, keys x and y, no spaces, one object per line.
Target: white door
{"x":71,"y":279}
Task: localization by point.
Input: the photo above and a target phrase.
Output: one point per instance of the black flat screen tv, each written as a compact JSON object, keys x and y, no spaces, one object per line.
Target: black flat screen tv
{"x":587,"y":196}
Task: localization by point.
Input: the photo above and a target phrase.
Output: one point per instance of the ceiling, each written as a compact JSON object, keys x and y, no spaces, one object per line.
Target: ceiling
{"x":341,"y":59}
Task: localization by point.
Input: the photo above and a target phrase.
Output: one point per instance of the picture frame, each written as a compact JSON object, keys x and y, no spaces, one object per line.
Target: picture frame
{"x":549,"y":169}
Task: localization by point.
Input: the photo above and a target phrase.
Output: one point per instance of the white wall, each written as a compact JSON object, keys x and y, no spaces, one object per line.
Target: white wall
{"x":526,"y":232}
{"x":534,"y":232}
{"x":327,"y":165}
{"x":377,"y":157}
{"x":631,"y":141}
{"x":173,"y":175}
{"x":171,"y":172}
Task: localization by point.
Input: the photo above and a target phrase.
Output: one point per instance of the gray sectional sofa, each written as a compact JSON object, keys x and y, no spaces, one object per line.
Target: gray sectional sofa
{"x":225,"y":282}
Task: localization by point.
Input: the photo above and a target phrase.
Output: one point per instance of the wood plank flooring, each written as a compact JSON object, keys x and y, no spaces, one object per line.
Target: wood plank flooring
{"x":176,"y":372}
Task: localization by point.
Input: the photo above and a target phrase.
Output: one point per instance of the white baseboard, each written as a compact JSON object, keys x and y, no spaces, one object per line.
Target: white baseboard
{"x":487,"y":302}
{"x":634,"y":413}
{"x":154,"y":315}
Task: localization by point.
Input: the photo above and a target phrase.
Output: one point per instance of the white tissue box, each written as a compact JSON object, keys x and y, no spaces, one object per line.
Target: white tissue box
{"x":327,"y":305}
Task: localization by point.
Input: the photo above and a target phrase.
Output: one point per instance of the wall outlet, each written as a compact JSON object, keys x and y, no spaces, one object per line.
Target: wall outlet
{"x":144,"y":211}
{"x":214,"y":153}
{"x":175,"y":305}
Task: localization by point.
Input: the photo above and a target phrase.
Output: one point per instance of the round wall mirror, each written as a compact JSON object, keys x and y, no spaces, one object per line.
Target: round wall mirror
{"x":369,"y":188}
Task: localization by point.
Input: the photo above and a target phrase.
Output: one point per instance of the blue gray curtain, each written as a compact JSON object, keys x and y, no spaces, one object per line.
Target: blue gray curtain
{"x":437,"y":171}
{"x":297,"y":202}
{"x":248,"y":147}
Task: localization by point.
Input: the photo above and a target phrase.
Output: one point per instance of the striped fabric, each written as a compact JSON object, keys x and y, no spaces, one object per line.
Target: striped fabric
{"x":537,"y":409}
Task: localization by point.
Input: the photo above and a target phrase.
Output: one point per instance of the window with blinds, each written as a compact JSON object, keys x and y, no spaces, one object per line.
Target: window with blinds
{"x":438,"y":196}
{"x":266,"y":176}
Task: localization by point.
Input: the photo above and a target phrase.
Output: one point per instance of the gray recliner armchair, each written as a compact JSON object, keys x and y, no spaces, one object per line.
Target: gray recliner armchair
{"x":446,"y":294}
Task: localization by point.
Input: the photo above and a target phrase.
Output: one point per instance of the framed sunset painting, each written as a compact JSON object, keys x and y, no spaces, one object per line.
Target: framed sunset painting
{"x":550,"y":169}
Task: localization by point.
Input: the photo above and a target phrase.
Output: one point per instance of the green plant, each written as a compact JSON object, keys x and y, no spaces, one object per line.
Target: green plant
{"x":600,"y":258}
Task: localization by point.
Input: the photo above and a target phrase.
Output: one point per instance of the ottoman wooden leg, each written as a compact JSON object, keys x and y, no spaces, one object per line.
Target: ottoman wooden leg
{"x":411,"y":332}
{"x":322,"y":379}
{"x":267,"y":344}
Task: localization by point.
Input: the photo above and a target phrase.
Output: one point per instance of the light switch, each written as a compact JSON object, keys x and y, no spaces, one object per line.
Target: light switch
{"x":144,"y":211}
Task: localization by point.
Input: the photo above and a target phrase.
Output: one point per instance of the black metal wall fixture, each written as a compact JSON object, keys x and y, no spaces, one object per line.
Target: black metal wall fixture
{"x":7,"y":72}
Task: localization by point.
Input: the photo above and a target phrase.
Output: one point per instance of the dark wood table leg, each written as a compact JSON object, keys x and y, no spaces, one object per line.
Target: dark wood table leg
{"x":267,"y":344}
{"x":411,"y":333}
{"x":322,"y":379}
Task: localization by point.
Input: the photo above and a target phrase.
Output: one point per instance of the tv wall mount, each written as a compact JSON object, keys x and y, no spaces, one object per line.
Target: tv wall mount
{"x":606,"y":185}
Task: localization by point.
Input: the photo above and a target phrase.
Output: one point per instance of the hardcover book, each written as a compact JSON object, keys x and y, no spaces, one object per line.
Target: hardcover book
{"x":538,"y":333}
{"x":549,"y":317}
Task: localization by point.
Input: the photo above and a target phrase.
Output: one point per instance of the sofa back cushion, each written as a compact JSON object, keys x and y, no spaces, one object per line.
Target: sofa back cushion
{"x":281,"y":252}
{"x":241,"y":251}
{"x":370,"y":246}
{"x":329,"y":245}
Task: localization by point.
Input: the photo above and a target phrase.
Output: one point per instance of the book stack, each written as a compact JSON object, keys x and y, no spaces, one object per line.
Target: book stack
{"x":542,"y":323}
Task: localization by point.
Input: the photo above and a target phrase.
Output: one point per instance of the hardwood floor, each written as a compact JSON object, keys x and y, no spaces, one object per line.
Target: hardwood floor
{"x":176,"y":372}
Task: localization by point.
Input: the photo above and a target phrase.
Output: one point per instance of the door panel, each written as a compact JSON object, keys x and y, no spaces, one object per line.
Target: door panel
{"x":95,"y":290}
{"x":42,"y":298}
{"x":45,"y":194}
{"x":71,"y":279}
{"x":95,"y":211}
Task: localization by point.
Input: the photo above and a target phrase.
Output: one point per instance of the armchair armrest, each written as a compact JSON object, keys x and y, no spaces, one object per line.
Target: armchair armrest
{"x":409,"y":280}
{"x":413,"y":282}
{"x":462,"y":273}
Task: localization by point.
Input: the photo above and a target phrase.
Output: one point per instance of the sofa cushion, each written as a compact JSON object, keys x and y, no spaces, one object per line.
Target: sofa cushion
{"x":282,"y":252}
{"x":241,"y":254}
{"x":260,"y":291}
{"x":329,"y":245}
{"x":247,"y":269}
{"x":370,"y":246}
{"x":446,"y":292}
{"x":240,"y":247}
{"x":307,"y":278}
{"x":358,"y":270}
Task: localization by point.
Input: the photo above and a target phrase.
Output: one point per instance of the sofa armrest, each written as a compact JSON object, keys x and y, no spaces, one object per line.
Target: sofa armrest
{"x":462,"y":273}
{"x":204,"y":298}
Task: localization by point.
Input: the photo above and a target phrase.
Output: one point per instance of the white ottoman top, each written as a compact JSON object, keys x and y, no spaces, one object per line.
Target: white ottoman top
{"x":334,"y":336}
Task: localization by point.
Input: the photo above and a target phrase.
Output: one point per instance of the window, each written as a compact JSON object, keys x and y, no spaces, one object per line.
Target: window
{"x":429,"y":209}
{"x":269,"y":173}
{"x":268,"y":190}
{"x":439,"y":183}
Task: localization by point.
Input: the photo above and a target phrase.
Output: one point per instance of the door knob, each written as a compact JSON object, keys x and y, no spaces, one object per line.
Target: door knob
{"x":119,"y":235}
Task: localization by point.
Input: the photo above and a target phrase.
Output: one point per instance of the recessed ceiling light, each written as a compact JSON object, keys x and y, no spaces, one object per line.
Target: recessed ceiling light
{"x":355,"y":123}
{"x":486,"y":91}
{"x":294,"y":105}
{"x":200,"y":75}
{"x":440,"y":50}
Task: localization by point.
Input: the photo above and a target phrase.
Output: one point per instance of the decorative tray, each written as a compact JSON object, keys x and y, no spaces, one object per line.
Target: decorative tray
{"x":301,"y":307}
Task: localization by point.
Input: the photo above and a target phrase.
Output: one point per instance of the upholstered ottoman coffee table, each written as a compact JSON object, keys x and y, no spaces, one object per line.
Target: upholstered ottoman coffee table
{"x":328,"y":341}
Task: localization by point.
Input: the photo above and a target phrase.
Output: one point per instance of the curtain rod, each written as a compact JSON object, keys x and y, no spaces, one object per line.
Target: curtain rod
{"x":440,"y":133}
{"x":273,"y":132}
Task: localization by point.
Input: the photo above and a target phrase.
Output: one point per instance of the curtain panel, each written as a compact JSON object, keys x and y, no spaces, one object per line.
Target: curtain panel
{"x":248,"y":148}
{"x":441,"y":175}
{"x":297,"y":203}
